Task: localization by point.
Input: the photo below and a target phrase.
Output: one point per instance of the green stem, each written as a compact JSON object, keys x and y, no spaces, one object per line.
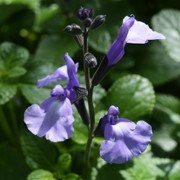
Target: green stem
{"x":5,"y":126}
{"x":90,"y":104}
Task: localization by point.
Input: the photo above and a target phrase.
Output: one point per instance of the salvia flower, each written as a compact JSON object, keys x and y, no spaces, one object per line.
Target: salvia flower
{"x":53,"y":118}
{"x":131,"y":31}
{"x":123,"y":138}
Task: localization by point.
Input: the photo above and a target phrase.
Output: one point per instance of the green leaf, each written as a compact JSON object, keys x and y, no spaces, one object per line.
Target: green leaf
{"x":64,"y":162}
{"x":40,"y":174}
{"x":33,"y":94}
{"x":154,"y":63}
{"x":8,"y":10}
{"x":33,"y":4}
{"x":52,"y":48}
{"x":163,"y":138}
{"x":145,"y":167}
{"x":133,"y":94}
{"x":72,"y":176}
{"x":106,"y":171}
{"x":45,"y":13}
{"x":12,"y":164}
{"x":39,"y":153}
{"x":174,"y":171}
{"x":100,"y":40}
{"x":12,"y":57}
{"x":167,"y":109}
{"x":7,"y":92}
{"x":80,"y":131}
{"x":167,"y":23}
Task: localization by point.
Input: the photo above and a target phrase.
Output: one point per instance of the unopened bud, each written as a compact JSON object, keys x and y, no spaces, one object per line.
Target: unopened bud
{"x":90,"y":60}
{"x":79,"y":40}
{"x":98,"y":21}
{"x":73,"y":29}
{"x":84,"y":13}
{"x":87,"y":22}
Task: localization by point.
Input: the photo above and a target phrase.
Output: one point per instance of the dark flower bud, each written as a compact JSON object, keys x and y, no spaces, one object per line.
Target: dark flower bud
{"x":98,"y":21}
{"x":87,"y":22}
{"x":90,"y":60}
{"x":79,"y":40}
{"x":84,"y":13}
{"x":73,"y":29}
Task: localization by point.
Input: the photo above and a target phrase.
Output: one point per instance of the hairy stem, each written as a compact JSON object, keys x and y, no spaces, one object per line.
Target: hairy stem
{"x":90,"y":104}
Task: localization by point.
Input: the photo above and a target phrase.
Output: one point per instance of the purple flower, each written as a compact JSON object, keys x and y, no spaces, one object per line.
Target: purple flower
{"x":123,"y":138}
{"x":53,"y":117}
{"x":131,"y":31}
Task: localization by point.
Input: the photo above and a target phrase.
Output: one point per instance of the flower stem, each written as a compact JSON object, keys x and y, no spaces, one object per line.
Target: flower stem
{"x":90,"y":104}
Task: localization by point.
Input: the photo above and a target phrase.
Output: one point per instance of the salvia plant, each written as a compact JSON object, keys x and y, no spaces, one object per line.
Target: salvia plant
{"x":54,"y":119}
{"x":85,"y":94}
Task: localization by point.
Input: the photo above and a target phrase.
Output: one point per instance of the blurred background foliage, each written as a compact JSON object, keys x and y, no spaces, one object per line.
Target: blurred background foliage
{"x":145,"y":84}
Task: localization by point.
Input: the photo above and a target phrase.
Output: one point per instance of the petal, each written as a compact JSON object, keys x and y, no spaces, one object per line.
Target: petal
{"x":33,"y":117}
{"x":140,"y":33}
{"x":112,"y":112}
{"x":117,"y":49}
{"x":60,"y":73}
{"x":58,"y":121}
{"x":127,"y":143}
{"x":71,"y":70}
{"x":47,"y":103}
{"x":115,"y":152}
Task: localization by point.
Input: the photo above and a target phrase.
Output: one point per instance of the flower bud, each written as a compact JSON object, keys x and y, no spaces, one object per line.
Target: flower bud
{"x":79,"y":40}
{"x":84,"y":13}
{"x":73,"y":29}
{"x":98,"y":21}
{"x":87,"y":22}
{"x":90,"y":60}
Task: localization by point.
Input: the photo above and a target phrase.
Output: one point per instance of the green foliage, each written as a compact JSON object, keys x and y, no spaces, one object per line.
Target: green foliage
{"x":33,"y":46}
{"x":167,"y":23}
{"x":40,"y":174}
{"x":56,"y":53}
{"x":12,"y":57}
{"x":147,"y":167}
{"x":72,"y":176}
{"x":167,"y":109}
{"x":133,"y":95}
{"x":12,"y":164}
{"x":38,"y":152}
{"x":155,"y":65}
{"x":6,"y":92}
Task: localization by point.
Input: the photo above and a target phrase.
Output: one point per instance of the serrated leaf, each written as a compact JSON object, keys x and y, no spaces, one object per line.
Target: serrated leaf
{"x":72,"y":176}
{"x":167,"y":22}
{"x":40,"y":174}
{"x":80,"y":131}
{"x":12,"y":57}
{"x":167,"y":109}
{"x":33,"y":94}
{"x":12,"y":164}
{"x":133,"y":94}
{"x":39,"y":153}
{"x":155,"y":65}
{"x":145,"y":167}
{"x":7,"y":92}
{"x":52,"y":48}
